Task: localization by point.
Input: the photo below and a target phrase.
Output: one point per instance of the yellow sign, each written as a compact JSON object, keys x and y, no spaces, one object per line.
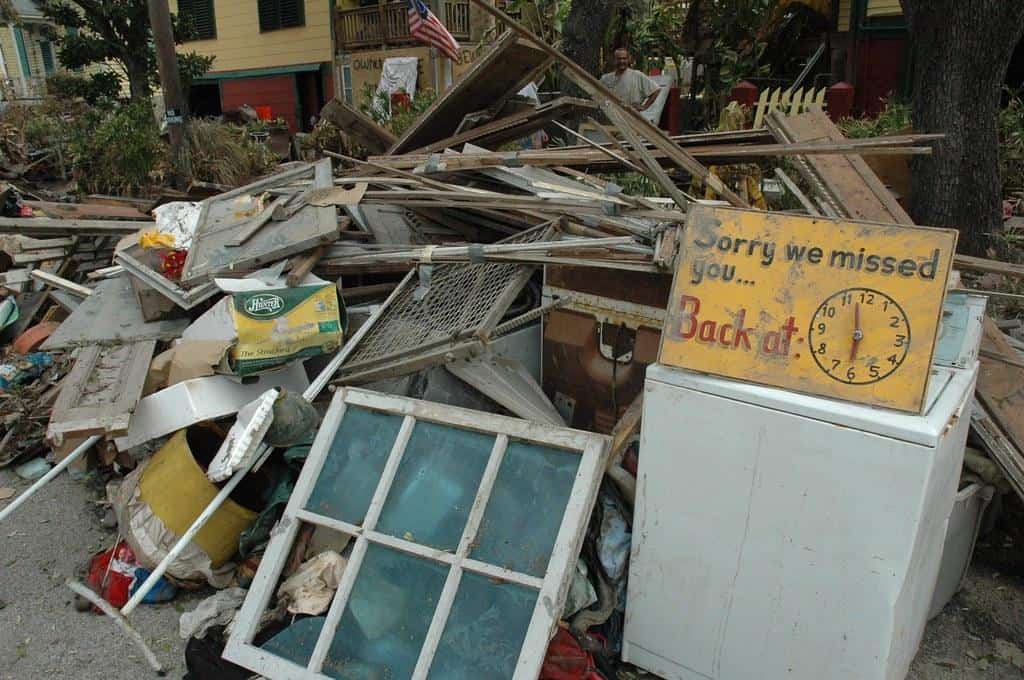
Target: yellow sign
{"x":848,"y":310}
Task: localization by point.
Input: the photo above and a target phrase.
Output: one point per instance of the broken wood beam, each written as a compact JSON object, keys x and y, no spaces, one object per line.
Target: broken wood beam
{"x":49,"y":226}
{"x":305,"y":266}
{"x":61,"y":283}
{"x":981,"y":264}
{"x":629,"y":122}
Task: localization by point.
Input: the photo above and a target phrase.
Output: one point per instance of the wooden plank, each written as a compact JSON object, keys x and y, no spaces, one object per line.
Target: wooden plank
{"x":48,"y":226}
{"x":305,"y":266}
{"x":848,"y":178}
{"x":627,"y":120}
{"x":493,"y":78}
{"x":15,"y":276}
{"x":1007,"y":456}
{"x":258,"y":222}
{"x":111,"y":316}
{"x":61,"y":283}
{"x":366,"y":132}
{"x":101,"y":391}
{"x":1001,"y":384}
{"x":87,"y":211}
{"x":980,"y":264}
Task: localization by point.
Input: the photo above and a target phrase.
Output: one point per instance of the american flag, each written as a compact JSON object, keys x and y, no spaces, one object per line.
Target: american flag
{"x":426,"y":27}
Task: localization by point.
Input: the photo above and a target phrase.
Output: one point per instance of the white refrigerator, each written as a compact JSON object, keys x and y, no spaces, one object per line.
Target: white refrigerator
{"x":782,"y":535}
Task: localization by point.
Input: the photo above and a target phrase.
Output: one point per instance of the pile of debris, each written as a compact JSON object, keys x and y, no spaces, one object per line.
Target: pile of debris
{"x":466,"y":305}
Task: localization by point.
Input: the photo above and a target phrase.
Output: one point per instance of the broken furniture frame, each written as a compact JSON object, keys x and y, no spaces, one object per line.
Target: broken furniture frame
{"x":371,"y":534}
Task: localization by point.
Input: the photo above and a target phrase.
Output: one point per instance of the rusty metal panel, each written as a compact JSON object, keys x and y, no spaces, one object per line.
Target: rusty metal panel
{"x":597,"y":346}
{"x":101,"y":391}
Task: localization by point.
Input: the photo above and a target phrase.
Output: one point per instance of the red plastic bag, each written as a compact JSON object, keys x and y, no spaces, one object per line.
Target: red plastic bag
{"x":114,"y":583}
{"x":567,"y":660}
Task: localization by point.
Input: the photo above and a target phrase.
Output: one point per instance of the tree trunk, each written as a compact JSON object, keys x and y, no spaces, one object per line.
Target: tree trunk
{"x":960,"y":50}
{"x":583,"y":33}
{"x":138,"y":79}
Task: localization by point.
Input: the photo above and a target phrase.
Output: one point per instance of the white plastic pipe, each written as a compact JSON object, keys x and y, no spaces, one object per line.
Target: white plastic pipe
{"x":42,"y":481}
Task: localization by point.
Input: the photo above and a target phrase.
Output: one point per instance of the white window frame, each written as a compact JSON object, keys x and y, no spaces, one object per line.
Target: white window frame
{"x":551,"y":589}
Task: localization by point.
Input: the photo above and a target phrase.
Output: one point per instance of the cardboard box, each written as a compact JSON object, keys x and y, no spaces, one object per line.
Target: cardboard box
{"x":270,"y":324}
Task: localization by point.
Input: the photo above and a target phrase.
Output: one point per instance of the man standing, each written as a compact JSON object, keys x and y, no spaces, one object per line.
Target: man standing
{"x":632,"y":87}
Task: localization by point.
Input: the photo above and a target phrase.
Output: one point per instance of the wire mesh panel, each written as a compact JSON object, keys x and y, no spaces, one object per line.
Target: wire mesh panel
{"x":466,"y":525}
{"x":456,"y":302}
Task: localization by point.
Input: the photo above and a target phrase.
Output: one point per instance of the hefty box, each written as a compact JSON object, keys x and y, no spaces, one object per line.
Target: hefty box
{"x":270,"y":324}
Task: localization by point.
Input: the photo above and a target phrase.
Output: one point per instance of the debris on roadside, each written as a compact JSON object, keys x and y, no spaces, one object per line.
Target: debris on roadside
{"x":372,"y":401}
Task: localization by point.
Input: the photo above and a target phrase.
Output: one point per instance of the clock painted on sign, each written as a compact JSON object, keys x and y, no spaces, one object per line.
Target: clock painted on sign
{"x":859,"y":336}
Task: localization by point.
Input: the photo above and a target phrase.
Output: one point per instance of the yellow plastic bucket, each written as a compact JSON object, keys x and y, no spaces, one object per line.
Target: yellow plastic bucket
{"x":177,"y":490}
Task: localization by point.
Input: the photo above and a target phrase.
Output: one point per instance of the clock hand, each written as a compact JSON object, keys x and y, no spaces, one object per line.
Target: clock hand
{"x":858,"y":334}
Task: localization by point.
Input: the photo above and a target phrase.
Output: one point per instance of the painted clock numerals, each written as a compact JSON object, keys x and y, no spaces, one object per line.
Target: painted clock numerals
{"x":859,"y":336}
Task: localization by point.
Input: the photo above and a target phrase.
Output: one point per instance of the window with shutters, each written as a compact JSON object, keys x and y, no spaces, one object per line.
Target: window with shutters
{"x":275,"y":14}
{"x":198,"y":19}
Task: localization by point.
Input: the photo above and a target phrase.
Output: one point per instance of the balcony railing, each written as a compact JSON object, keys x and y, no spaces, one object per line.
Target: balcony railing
{"x":388,"y":24}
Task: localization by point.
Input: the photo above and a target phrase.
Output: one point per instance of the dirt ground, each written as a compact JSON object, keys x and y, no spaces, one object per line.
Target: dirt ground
{"x":980,"y":634}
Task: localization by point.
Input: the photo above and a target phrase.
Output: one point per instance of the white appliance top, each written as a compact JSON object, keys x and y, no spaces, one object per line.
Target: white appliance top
{"x":948,"y":388}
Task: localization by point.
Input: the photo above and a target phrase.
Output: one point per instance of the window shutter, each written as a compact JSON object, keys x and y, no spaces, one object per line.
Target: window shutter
{"x":199,"y":14}
{"x":275,"y":14}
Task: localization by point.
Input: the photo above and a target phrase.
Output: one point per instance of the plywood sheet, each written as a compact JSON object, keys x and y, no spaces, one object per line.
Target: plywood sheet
{"x":111,"y":316}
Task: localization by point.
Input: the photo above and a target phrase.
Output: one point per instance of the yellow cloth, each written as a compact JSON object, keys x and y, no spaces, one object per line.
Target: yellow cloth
{"x":156,"y":239}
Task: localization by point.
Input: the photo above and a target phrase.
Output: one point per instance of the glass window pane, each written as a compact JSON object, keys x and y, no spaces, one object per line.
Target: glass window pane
{"x":485,"y":630}
{"x":354,"y":464}
{"x":436,"y":484}
{"x":297,"y":641}
{"x":387,"y":616}
{"x":513,"y":533}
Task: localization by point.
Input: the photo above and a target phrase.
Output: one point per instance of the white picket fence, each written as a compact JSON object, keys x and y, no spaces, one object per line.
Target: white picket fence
{"x":789,"y":102}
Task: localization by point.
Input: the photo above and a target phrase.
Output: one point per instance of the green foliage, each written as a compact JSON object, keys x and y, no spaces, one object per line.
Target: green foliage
{"x":115,"y":151}
{"x":657,"y":31}
{"x":893,"y":120}
{"x":93,"y":88}
{"x":118,"y":31}
{"x":636,"y":184}
{"x":1011,"y":143}
{"x":377,"y":104}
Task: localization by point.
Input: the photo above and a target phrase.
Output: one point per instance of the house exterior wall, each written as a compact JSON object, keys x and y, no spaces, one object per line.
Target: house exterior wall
{"x":12,"y":63}
{"x":240,"y":45}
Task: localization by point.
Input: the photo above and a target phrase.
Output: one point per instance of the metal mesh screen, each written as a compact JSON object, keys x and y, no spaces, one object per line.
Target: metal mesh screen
{"x":456,"y":303}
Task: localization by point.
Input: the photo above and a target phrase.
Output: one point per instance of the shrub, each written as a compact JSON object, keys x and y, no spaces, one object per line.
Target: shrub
{"x":94,"y":88}
{"x":115,"y":151}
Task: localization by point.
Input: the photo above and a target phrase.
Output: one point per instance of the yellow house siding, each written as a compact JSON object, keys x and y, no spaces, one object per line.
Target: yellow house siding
{"x":240,"y":45}
{"x":884,"y":8}
{"x":10,"y":52}
{"x":845,"y":10}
